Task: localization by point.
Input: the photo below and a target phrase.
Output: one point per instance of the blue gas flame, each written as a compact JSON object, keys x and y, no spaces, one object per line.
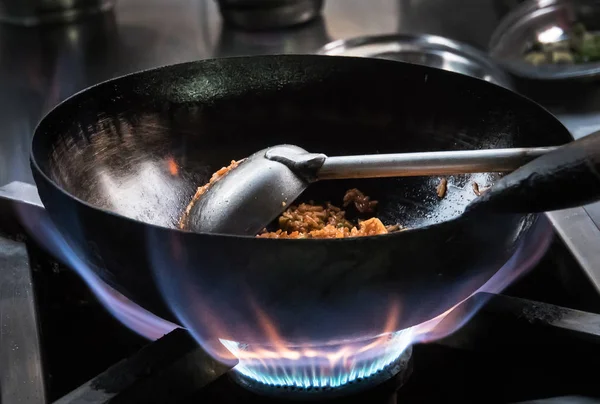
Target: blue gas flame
{"x":127,"y":312}
{"x":322,"y":367}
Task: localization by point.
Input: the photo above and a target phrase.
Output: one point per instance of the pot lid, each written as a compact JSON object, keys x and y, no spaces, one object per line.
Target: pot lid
{"x":422,"y":49}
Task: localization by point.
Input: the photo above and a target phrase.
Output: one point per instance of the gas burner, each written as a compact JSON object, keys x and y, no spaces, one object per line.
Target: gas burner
{"x":330,"y":370}
{"x":295,"y":383}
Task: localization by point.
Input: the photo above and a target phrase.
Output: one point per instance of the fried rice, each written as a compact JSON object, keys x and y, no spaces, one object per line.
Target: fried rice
{"x":310,"y":220}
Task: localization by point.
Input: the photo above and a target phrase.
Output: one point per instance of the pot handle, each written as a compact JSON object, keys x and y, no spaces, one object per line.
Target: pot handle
{"x":564,"y":178}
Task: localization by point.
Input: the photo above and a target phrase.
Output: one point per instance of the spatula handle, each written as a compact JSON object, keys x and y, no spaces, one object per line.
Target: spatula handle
{"x":428,"y":163}
{"x":566,"y":177}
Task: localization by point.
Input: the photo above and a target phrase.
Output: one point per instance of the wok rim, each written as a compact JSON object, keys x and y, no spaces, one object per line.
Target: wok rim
{"x":349,"y":59}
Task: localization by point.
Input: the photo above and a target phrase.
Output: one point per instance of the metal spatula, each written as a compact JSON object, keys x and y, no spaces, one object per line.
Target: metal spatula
{"x":250,"y":196}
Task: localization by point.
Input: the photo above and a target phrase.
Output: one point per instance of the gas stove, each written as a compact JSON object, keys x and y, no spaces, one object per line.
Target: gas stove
{"x":533,"y":342}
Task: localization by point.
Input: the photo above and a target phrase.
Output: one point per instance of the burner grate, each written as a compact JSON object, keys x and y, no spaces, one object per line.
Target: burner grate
{"x":165,"y":371}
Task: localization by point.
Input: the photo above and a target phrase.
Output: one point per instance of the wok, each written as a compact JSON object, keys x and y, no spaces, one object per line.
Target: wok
{"x":117,"y":164}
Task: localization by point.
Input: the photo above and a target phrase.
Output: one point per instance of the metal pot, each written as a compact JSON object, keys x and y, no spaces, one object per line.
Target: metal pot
{"x":269,"y":14}
{"x":36,"y":12}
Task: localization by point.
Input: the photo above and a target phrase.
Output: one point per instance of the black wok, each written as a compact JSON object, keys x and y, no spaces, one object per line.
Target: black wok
{"x":117,"y":164}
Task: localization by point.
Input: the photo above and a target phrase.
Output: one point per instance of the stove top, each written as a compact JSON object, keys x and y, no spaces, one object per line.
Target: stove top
{"x":535,"y":342}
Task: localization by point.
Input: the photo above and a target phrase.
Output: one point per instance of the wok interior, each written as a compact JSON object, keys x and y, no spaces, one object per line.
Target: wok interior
{"x":141,"y":145}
